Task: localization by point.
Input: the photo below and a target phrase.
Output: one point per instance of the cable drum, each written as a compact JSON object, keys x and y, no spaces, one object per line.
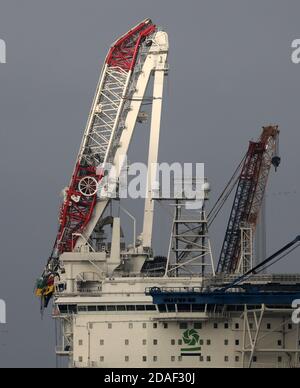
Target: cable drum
{"x":88,"y":186}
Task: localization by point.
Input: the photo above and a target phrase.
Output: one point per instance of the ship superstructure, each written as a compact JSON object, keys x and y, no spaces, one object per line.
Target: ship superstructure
{"x":120,"y":305}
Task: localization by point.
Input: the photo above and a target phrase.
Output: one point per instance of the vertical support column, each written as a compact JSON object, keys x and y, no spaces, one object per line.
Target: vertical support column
{"x":258,"y":327}
{"x":297,"y":345}
{"x":153,"y":153}
{"x":245,"y":327}
{"x":115,"y":254}
{"x":261,"y":235}
{"x":246,"y":260}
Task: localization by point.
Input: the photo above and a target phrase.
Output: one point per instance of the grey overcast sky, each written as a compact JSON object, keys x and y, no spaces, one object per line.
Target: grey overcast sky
{"x":231,"y":73}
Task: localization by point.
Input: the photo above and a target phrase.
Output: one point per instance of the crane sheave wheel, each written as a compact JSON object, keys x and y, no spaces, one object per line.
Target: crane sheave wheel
{"x":88,"y":186}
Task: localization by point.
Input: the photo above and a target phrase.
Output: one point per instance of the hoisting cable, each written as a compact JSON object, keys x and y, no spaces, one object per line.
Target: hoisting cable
{"x":276,"y":261}
{"x":262,"y":266}
{"x":225,"y":194}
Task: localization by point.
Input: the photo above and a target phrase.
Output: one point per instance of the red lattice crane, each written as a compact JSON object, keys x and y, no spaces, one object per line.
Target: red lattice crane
{"x":249,"y":196}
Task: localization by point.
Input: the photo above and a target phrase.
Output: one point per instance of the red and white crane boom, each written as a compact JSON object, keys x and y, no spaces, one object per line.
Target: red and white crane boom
{"x":121,"y":89}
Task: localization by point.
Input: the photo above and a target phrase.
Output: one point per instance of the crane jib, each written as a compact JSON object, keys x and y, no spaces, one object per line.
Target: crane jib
{"x":249,"y":196}
{"x":77,"y":209}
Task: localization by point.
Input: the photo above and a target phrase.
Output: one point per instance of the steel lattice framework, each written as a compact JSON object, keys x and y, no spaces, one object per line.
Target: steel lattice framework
{"x":249,"y":195}
{"x":103,"y":131}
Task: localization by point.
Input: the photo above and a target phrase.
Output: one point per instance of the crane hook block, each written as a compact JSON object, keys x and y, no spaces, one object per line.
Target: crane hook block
{"x":276,"y":160}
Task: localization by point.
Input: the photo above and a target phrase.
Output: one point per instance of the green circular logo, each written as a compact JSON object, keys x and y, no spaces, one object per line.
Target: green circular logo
{"x":191,"y":337}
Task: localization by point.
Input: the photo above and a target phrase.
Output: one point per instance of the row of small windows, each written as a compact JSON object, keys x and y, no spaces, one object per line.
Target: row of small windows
{"x":196,"y":308}
{"x":179,"y":342}
{"x":171,"y":308}
{"x":144,"y":325}
{"x":182,"y":326}
{"x":199,"y":326}
{"x":180,"y":358}
{"x":226,"y":325}
{"x":126,"y":342}
{"x":74,"y":309}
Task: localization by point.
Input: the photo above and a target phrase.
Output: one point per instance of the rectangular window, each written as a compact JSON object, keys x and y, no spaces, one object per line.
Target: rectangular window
{"x":180,"y":342}
{"x":183,"y":326}
{"x":121,"y":308}
{"x":215,"y":325}
{"x":226,"y":342}
{"x":226,"y":325}
{"x":165,"y":325}
{"x":255,"y":359}
{"x":144,"y":325}
{"x":144,"y":342}
{"x":101,"y":308}
{"x":154,"y":358}
{"x":140,"y":308}
{"x":155,"y":342}
{"x":144,"y":359}
{"x":130,"y":325}
{"x":279,"y":359}
{"x":237,"y":343}
{"x":130,"y":308}
{"x":162,"y":308}
{"x":92,"y":308}
{"x":196,"y":308}
{"x":126,"y":342}
{"x":198,"y":326}
{"x":80,"y":359}
{"x":226,"y":359}
{"x":80,"y":342}
{"x":208,"y":342}
{"x":208,"y":359}
{"x":172,"y":358}
{"x":237,"y":326}
{"x":237,"y":359}
{"x":126,"y":358}
{"x":154,"y":325}
{"x":102,"y":359}
{"x":109,"y":325}
{"x":201,"y":358}
{"x":179,"y":358}
{"x":171,"y":308}
{"x":173,"y":342}
{"x":150,"y":308}
{"x":101,"y":342}
{"x":111,"y":308}
{"x":269,"y":326}
{"x":184,"y":308}
{"x":72,"y":309}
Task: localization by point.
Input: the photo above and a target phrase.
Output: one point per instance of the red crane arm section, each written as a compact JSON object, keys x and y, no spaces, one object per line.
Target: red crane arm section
{"x":124,"y":52}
